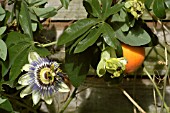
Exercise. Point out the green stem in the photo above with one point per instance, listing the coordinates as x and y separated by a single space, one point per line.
68 101
48 44
164 87
159 93
166 66
154 96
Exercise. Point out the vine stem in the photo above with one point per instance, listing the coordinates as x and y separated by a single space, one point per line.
69 100
157 90
131 99
166 66
48 44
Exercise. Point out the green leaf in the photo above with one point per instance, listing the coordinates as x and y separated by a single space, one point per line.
114 9
122 17
117 18
76 29
89 40
5 104
79 39
148 3
65 3
16 49
36 2
2 13
159 9
15 37
106 6
136 36
77 67
14 53
20 61
24 20
45 12
93 7
41 51
33 16
109 36
7 17
2 30
96 7
16 43
3 50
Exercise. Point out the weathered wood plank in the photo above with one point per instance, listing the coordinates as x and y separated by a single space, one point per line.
75 10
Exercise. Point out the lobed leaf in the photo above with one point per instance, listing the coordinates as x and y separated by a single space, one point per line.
114 9
105 7
93 7
24 20
36 2
16 43
45 12
89 40
41 51
19 62
109 36
15 37
78 40
76 29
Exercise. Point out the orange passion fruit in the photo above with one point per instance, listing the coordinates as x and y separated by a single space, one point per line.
135 56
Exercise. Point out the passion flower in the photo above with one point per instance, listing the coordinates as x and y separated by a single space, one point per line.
43 79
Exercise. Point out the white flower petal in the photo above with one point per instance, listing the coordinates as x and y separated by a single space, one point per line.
48 100
24 79
26 91
33 56
63 87
36 97
25 67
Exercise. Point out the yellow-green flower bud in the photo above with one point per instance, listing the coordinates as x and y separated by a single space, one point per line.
115 66
135 7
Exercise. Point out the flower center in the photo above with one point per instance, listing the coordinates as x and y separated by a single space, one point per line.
46 76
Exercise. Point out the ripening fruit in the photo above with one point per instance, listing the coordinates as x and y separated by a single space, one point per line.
134 55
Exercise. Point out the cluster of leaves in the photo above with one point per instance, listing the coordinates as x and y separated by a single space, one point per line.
107 25
19 27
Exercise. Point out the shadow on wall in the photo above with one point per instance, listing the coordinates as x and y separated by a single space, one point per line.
99 97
